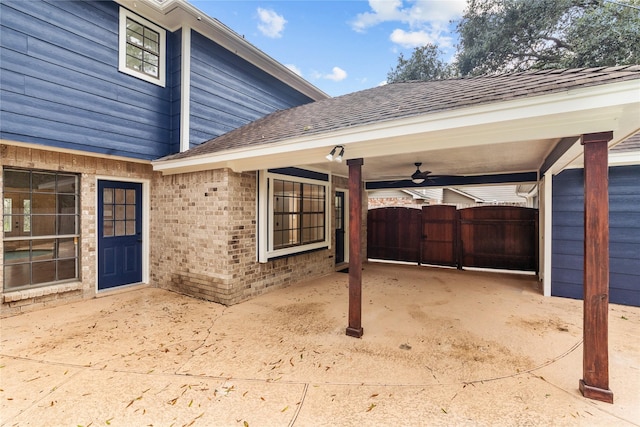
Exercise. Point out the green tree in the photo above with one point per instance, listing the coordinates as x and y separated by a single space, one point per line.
605 36
425 63
516 35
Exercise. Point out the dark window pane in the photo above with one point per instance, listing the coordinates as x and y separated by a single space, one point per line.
43 204
16 252
43 250
43 272
17 275
43 182
17 180
15 205
67 269
66 248
67 184
43 225
67 224
66 203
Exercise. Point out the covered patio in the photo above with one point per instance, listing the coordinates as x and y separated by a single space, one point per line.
517 128
442 347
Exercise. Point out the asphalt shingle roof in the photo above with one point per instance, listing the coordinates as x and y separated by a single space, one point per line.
406 99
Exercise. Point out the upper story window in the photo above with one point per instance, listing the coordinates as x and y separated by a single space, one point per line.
142 48
293 214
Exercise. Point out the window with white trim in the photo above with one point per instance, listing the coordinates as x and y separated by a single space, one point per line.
293 215
41 223
142 48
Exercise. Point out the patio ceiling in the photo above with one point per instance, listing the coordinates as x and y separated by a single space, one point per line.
472 127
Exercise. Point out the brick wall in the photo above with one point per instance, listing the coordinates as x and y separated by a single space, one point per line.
202 233
89 168
203 228
404 202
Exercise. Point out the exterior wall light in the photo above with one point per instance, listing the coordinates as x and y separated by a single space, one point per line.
337 158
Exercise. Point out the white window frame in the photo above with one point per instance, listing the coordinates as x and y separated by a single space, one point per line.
122 48
266 251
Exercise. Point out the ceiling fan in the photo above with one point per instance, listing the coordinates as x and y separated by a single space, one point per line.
418 177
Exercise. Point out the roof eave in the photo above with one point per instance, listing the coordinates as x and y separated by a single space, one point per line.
176 14
571 112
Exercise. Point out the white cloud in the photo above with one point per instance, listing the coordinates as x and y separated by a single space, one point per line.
426 20
410 39
419 12
337 74
294 68
271 24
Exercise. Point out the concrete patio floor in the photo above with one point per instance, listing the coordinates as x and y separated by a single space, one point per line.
440 347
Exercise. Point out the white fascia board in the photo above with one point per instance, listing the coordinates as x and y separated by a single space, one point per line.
174 14
185 89
575 112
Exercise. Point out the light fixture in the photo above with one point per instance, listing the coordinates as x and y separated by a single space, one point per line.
337 158
418 177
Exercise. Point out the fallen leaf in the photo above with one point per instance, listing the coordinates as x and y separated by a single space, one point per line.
133 400
374 395
285 408
373 405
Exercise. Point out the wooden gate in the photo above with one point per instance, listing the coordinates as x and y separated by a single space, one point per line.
394 234
503 237
499 237
439 235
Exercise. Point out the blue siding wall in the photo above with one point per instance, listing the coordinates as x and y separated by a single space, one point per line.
228 92
60 85
624 234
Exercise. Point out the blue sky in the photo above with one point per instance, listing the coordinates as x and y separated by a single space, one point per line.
340 46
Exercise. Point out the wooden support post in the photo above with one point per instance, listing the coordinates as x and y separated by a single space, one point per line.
355 248
595 369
